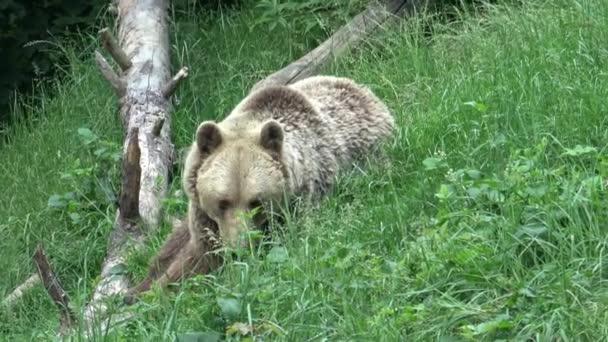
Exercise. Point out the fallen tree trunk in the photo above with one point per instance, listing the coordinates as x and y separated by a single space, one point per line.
144 87
344 39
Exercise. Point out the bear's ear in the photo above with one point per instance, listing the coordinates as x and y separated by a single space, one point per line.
208 137
271 137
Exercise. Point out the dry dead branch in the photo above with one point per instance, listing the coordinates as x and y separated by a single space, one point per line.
110 75
111 45
20 290
172 85
54 289
131 176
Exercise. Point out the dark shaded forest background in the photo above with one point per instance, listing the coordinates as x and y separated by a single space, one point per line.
30 29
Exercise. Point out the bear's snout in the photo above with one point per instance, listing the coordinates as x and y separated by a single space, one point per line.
233 230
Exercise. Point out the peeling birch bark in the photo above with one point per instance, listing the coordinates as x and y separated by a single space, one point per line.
142 52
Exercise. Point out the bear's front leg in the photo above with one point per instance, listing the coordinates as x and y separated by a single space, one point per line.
196 258
176 242
179 258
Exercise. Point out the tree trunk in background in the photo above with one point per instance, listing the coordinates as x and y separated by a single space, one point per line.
345 38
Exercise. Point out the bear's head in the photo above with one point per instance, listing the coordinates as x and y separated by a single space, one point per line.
237 170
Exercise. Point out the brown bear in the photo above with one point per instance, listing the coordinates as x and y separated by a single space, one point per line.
280 140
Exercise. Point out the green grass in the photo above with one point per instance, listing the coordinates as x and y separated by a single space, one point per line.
490 221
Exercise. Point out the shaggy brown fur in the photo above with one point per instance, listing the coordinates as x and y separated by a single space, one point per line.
280 140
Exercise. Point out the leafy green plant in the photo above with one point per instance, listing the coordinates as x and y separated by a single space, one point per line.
91 179
528 212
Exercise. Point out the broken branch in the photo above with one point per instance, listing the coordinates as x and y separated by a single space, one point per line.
158 126
111 45
174 82
131 175
20 290
54 289
109 74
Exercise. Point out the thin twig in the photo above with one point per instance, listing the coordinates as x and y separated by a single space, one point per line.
111 45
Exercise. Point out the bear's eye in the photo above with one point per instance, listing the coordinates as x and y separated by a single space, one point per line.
254 204
223 205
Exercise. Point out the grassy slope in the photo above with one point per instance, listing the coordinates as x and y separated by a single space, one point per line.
488 223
